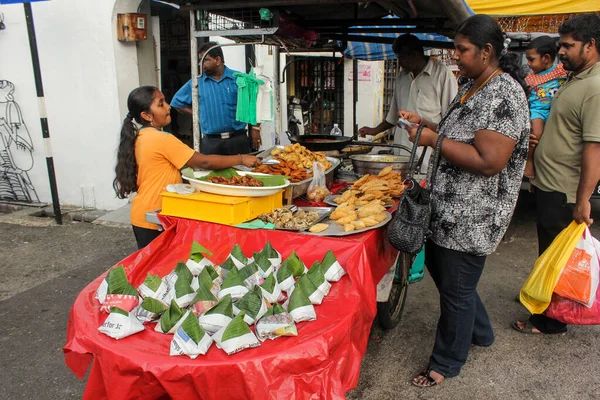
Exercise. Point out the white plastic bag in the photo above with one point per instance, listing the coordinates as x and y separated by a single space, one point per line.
317 190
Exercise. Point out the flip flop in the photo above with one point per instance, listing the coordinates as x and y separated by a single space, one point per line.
430 380
527 329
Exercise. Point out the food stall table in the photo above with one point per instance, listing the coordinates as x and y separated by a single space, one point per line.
323 361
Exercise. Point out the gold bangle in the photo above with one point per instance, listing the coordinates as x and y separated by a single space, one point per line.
256 127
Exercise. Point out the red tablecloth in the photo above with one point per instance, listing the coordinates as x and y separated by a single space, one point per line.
322 362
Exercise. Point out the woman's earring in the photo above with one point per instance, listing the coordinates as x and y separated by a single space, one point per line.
152 124
485 60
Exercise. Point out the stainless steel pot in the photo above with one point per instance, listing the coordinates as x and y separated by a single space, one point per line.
371 164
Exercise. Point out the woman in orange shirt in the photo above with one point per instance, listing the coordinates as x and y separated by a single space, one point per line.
149 159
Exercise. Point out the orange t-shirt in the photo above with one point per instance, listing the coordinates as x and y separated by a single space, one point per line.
159 158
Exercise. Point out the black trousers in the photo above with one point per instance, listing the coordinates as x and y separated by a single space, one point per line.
463 318
239 143
143 236
553 214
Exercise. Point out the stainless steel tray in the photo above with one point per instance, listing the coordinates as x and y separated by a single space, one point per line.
298 188
331 201
335 229
323 214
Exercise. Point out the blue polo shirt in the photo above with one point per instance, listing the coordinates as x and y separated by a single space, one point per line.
218 102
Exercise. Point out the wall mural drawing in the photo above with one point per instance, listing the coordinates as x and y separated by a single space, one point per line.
16 150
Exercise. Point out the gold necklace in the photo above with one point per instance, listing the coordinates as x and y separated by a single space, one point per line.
468 95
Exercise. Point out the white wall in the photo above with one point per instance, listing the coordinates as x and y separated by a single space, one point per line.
369 110
87 75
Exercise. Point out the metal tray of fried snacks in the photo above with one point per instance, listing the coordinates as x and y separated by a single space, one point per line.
335 229
322 213
299 188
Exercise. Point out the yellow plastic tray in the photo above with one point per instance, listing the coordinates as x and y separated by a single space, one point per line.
221 209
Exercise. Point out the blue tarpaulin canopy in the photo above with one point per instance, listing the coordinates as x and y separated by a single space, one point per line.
371 51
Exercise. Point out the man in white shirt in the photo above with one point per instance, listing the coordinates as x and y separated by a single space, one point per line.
423 85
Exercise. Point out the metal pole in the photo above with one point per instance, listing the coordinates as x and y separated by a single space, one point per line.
277 94
194 67
354 96
39 87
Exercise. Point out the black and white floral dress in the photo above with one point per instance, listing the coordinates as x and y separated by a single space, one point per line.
470 212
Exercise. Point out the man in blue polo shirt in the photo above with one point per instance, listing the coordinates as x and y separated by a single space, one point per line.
217 92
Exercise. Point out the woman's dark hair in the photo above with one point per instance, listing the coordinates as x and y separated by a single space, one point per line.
139 101
583 28
543 45
407 44
214 53
482 29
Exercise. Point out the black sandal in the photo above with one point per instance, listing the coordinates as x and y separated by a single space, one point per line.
430 380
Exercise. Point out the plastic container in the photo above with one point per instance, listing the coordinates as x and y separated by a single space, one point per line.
336 131
227 210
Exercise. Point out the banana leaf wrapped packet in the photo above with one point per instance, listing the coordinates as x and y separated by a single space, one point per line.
233 285
149 310
198 261
332 268
299 306
190 339
252 304
218 316
171 319
119 324
236 336
275 323
116 291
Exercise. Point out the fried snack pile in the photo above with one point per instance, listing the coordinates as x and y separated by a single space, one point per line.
283 218
236 181
301 157
285 168
353 219
383 187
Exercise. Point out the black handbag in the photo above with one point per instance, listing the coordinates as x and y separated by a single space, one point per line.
410 226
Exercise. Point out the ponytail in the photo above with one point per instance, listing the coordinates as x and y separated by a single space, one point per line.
510 63
125 182
139 101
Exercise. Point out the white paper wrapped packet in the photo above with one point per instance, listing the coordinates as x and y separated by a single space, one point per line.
183 293
119 324
250 275
156 288
171 319
116 291
198 261
271 290
317 277
149 310
252 304
233 285
314 294
331 267
238 257
285 277
299 306
275 323
236 336
265 267
204 299
190 339
272 255
218 316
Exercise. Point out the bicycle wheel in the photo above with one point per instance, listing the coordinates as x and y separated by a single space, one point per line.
389 313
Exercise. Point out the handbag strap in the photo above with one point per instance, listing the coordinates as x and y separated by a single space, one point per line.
436 159
413 154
